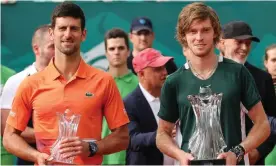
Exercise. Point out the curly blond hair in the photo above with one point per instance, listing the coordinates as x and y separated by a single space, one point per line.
194 11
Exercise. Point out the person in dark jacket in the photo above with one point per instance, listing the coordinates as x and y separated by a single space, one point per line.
235 44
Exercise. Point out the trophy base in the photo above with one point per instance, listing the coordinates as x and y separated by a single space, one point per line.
208 162
55 162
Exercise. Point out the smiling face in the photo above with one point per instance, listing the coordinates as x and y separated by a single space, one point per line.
237 50
200 37
67 35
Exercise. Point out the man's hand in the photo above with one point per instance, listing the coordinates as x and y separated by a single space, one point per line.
184 158
41 158
230 158
74 146
254 156
174 132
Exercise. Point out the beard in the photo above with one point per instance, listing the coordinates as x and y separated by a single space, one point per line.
68 51
202 53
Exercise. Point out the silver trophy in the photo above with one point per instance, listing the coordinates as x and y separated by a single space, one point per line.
68 126
207 140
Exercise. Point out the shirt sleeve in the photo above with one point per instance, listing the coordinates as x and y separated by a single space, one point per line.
114 110
249 92
8 93
168 103
21 107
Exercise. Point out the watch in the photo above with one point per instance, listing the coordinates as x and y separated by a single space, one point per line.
239 152
93 148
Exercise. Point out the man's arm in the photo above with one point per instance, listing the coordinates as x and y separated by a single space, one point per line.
269 105
27 134
260 130
16 145
116 141
166 144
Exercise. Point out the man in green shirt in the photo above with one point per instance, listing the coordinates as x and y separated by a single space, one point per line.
198 29
6 157
117 51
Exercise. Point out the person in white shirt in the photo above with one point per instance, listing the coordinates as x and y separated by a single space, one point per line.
142 106
43 48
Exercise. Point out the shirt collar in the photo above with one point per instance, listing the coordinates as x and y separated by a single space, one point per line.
54 73
220 59
147 95
127 77
31 69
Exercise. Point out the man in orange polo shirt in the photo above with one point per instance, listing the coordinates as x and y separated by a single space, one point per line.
67 83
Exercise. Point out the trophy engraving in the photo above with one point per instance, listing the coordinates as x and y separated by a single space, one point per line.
68 126
207 140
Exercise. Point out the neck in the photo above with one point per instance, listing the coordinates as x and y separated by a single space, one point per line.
274 79
204 64
155 92
39 66
67 65
118 71
135 52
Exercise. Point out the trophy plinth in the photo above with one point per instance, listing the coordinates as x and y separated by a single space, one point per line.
207 141
51 161
68 126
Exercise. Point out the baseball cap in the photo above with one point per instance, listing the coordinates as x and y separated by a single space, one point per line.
238 30
141 23
149 58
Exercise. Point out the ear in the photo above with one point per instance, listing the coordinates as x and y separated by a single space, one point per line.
36 50
184 51
141 74
51 32
153 35
130 36
84 32
265 63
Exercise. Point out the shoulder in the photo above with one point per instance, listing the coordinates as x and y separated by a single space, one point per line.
98 74
255 71
231 64
131 97
15 80
174 77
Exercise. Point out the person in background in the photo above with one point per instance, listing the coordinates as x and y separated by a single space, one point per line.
117 51
236 40
43 48
270 65
6 157
141 36
142 106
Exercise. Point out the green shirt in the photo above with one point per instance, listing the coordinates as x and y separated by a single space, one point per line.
230 78
6 158
125 84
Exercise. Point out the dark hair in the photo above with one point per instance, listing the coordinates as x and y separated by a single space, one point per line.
116 33
40 32
68 9
273 46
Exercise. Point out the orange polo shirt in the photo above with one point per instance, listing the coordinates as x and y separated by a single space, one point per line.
92 93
